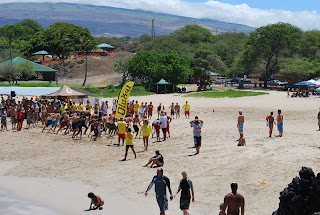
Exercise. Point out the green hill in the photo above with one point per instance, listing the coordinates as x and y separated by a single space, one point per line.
107 21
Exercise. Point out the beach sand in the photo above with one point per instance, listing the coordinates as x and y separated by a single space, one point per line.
58 172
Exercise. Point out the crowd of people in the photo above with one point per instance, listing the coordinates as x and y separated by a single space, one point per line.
97 120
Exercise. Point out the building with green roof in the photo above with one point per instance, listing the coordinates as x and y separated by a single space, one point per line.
42 72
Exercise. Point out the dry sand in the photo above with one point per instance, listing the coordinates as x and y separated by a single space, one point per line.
57 172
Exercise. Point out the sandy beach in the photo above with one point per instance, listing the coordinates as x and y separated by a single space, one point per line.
57 172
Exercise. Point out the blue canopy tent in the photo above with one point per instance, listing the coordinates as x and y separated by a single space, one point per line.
304 84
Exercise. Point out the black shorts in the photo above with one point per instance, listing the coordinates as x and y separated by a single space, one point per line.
112 126
184 203
197 141
164 130
130 146
136 128
172 112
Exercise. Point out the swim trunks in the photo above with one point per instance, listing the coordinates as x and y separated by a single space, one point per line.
240 127
184 203
162 202
280 126
54 123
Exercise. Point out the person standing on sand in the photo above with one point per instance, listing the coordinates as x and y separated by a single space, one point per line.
240 122
319 119
122 129
172 108
186 108
161 182
129 144
177 110
280 123
197 125
270 121
185 186
233 201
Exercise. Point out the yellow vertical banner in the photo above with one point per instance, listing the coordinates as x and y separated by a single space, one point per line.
123 98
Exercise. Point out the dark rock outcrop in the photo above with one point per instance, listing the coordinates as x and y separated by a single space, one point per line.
302 196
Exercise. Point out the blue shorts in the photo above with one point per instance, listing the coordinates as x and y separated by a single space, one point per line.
162 202
240 128
280 126
54 123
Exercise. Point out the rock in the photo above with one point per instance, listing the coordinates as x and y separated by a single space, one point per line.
302 196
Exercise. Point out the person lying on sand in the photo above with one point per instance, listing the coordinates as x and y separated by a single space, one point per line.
96 201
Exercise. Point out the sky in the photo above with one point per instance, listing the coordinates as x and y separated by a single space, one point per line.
256 13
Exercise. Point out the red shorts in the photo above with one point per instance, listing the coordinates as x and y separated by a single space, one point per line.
113 112
132 112
122 136
187 113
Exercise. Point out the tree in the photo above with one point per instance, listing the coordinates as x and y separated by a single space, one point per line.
13 72
9 32
267 44
310 44
121 67
194 34
205 62
152 66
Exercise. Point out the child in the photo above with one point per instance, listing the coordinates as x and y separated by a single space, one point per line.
221 209
242 141
157 128
96 201
129 144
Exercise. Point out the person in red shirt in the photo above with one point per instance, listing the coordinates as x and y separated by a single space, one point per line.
150 109
19 118
157 127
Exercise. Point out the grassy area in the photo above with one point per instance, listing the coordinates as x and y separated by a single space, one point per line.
227 93
108 91
112 91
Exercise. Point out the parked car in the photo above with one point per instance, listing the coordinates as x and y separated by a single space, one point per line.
235 81
240 80
277 83
221 80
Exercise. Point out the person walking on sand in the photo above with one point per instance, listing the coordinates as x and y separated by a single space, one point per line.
233 201
270 122
280 123
164 123
319 119
197 125
161 183
129 144
177 110
146 130
186 108
185 186
240 122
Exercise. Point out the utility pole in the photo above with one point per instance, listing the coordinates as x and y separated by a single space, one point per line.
153 33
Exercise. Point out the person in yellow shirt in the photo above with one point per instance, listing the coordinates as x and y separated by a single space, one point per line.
136 107
122 130
146 130
186 108
129 144
74 107
89 106
80 106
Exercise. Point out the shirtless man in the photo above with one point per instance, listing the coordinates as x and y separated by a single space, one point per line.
172 110
30 117
65 123
280 123
270 123
55 119
36 114
159 109
233 201
13 116
4 120
240 122
177 110
75 119
48 121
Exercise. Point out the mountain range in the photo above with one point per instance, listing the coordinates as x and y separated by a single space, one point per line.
108 21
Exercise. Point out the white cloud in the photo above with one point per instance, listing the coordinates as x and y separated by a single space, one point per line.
241 13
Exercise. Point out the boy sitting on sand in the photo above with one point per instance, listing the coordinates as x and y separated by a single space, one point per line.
242 140
96 201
